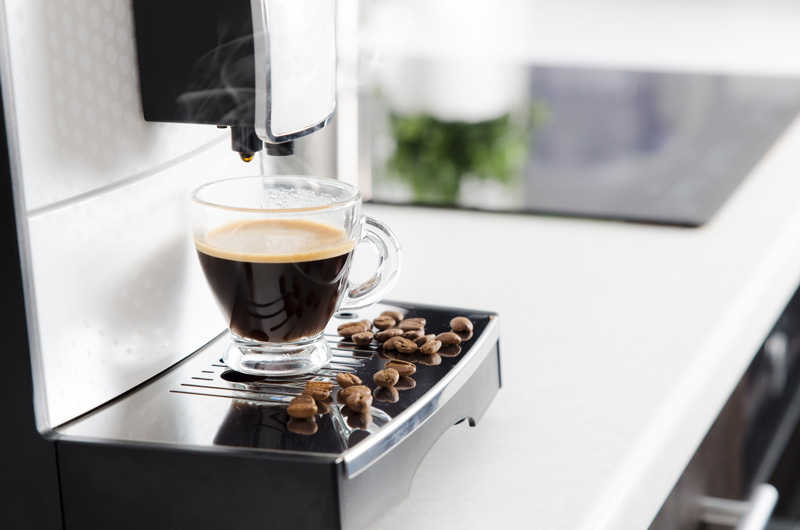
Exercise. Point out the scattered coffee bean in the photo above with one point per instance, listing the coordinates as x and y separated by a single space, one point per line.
362 339
448 338
344 393
403 368
404 345
350 328
423 339
306 426
387 395
384 322
408 325
432 346
367 323
327 385
449 350
389 344
383 336
461 324
302 410
414 334
359 402
405 383
302 399
396 315
346 380
319 394
420 320
386 378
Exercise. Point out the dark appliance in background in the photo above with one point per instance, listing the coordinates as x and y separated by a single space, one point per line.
251 65
749 462
641 146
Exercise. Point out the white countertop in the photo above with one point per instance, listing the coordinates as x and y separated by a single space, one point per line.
620 342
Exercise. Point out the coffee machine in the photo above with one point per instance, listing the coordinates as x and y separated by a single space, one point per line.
116 410
264 68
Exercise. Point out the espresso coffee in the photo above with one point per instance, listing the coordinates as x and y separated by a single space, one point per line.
276 280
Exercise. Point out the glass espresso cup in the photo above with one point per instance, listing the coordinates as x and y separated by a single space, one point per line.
276 252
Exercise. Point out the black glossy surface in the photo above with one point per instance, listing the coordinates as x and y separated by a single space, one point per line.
250 423
639 146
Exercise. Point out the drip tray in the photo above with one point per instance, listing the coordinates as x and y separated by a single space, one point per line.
340 470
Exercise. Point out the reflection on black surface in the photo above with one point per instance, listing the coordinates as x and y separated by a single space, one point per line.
643 146
405 383
264 426
387 395
267 425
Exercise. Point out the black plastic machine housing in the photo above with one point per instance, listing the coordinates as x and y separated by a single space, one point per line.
197 65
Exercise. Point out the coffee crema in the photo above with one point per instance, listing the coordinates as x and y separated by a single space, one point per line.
276 280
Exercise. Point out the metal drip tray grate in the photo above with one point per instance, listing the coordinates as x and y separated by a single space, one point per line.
220 381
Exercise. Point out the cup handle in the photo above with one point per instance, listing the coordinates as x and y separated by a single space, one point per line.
372 290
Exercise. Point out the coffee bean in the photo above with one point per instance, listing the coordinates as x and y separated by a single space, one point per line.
302 399
461 324
319 394
396 315
359 402
387 395
367 323
302 410
305 426
409 325
327 385
403 368
449 350
420 320
404 345
414 334
405 383
383 336
386 378
432 346
344 393
346 380
384 322
423 339
448 338
362 339
390 342
349 329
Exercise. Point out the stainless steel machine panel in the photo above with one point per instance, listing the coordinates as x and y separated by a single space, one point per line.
112 289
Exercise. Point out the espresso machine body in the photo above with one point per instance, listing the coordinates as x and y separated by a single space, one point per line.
117 411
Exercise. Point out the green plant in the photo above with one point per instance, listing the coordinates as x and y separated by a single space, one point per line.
432 155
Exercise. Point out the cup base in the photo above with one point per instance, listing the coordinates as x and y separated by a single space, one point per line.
277 360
